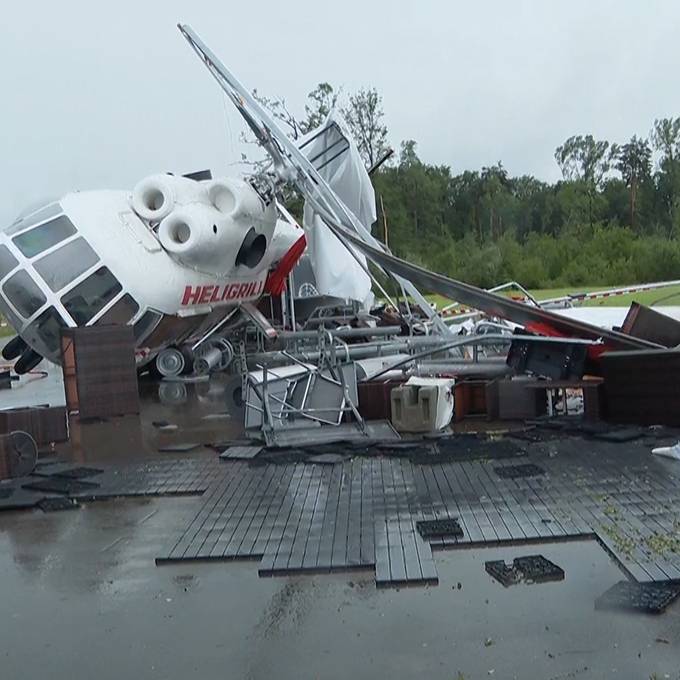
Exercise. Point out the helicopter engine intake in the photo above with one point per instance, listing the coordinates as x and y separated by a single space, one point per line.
212 226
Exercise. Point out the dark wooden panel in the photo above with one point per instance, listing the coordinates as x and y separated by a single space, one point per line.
103 359
45 424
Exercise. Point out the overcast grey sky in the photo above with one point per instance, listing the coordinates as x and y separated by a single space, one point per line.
97 95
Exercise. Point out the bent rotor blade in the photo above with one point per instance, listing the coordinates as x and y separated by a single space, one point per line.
293 166
490 303
239 96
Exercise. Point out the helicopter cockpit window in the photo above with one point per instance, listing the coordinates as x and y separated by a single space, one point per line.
44 236
145 324
120 313
10 315
22 292
33 217
67 263
47 329
90 296
7 262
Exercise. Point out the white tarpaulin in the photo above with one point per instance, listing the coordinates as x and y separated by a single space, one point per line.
335 154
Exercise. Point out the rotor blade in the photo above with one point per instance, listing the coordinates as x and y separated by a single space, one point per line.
294 166
491 304
240 97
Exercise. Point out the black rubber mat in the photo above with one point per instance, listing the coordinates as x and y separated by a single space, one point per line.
474 447
60 485
528 569
364 511
621 435
538 569
417 451
439 528
78 473
45 462
179 448
532 436
327 459
241 452
516 471
502 572
57 504
650 598
6 493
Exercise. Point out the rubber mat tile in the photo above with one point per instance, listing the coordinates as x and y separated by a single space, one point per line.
649 598
78 473
297 552
439 528
505 574
515 471
57 504
60 485
538 569
180 447
241 452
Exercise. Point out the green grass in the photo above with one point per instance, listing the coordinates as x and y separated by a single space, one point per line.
6 330
648 297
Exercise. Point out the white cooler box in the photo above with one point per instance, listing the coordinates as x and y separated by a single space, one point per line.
422 404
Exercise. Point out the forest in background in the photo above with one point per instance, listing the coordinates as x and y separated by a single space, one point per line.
612 219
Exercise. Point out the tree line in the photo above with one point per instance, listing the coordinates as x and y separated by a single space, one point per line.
612 219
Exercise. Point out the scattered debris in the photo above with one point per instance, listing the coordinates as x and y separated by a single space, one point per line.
164 425
662 544
668 451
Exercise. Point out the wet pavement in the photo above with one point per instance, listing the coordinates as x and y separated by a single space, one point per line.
82 597
171 414
365 510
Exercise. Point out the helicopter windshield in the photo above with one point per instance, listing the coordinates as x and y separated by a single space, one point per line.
91 295
120 312
65 264
32 217
44 236
23 293
7 262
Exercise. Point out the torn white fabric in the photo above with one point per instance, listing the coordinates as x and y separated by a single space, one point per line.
335 155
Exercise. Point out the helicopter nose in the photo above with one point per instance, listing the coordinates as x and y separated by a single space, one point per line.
252 249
